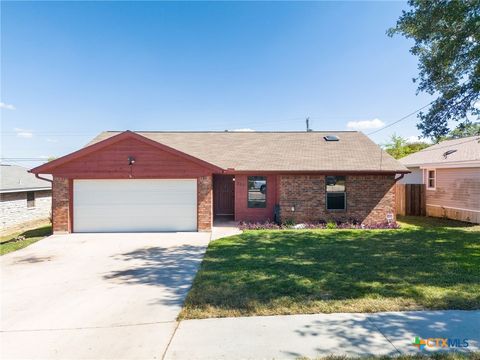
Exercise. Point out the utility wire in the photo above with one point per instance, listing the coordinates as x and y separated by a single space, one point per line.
401 119
23 159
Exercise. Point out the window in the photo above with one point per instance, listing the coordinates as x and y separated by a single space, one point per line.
30 199
257 192
331 138
336 195
431 179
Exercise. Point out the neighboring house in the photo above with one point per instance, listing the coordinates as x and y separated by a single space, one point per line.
182 181
450 171
23 197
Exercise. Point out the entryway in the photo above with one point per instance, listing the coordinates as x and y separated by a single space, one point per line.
224 197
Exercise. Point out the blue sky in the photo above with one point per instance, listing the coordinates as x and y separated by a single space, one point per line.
71 70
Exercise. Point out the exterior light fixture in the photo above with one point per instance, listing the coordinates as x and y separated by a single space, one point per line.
131 160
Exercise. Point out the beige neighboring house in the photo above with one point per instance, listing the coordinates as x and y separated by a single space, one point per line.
23 198
450 171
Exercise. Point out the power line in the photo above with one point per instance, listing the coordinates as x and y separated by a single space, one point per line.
23 159
401 119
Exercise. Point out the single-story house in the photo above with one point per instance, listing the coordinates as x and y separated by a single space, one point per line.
450 171
23 197
183 181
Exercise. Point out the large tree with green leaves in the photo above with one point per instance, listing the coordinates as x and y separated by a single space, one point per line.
464 130
447 43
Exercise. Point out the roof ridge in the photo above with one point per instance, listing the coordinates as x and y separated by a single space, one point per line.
233 131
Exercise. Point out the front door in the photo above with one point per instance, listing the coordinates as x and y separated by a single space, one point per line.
224 195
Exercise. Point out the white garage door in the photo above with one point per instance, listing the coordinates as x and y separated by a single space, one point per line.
134 205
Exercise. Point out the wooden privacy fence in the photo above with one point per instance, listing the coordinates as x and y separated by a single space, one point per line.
410 199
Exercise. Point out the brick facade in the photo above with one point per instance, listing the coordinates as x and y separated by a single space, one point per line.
204 203
369 198
60 205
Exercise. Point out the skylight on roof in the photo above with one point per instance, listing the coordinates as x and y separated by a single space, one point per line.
448 152
331 138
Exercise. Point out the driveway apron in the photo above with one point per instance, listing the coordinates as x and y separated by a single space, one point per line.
110 296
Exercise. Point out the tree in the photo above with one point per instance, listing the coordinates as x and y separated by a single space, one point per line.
463 130
447 43
399 147
396 146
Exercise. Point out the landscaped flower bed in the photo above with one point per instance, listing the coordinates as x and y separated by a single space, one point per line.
269 225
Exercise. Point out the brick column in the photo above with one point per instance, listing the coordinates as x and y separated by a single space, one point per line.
204 203
60 205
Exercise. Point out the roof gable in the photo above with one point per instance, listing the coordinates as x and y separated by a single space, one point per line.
102 144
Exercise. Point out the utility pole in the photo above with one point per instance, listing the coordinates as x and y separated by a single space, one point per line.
307 121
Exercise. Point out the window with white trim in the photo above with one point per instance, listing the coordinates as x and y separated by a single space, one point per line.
431 179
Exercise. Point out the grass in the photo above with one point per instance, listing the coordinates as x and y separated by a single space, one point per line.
439 355
10 243
427 264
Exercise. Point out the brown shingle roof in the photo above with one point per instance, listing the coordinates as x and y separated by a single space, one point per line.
467 150
278 151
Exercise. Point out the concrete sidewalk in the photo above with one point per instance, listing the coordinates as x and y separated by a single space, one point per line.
294 336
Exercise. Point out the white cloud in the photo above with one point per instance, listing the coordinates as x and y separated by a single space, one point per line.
26 134
365 124
51 140
243 130
412 139
6 106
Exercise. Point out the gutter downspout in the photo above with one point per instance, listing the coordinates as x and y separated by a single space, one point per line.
42 178
51 207
399 178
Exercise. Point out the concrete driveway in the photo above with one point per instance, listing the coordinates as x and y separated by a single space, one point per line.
109 296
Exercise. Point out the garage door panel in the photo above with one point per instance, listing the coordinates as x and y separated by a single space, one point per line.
135 205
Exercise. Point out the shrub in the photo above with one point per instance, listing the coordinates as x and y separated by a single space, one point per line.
331 225
289 222
351 224
268 225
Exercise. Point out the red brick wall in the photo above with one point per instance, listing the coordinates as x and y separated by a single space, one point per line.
369 198
204 204
60 204
242 211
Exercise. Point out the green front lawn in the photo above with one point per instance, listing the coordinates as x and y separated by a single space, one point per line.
427 264
20 240
439 355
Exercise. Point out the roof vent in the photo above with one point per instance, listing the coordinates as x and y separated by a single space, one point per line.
448 152
331 138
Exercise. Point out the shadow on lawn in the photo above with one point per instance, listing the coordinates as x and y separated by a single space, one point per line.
171 268
38 232
434 268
